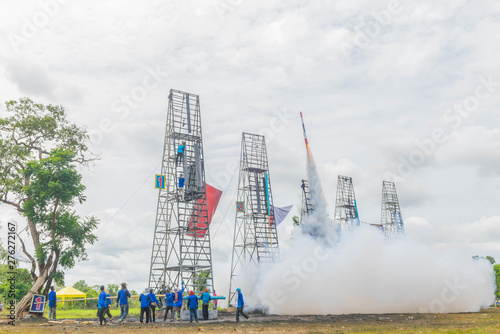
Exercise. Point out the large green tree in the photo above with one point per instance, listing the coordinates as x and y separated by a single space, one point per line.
39 151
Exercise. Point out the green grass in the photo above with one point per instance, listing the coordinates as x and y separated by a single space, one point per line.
69 313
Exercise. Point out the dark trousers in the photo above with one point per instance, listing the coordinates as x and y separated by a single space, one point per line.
204 309
153 313
178 157
108 313
147 311
193 312
238 311
171 309
100 314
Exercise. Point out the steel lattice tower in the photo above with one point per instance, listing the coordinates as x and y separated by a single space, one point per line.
255 240
181 244
392 221
307 206
346 211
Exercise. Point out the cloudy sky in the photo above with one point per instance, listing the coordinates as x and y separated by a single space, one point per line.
389 90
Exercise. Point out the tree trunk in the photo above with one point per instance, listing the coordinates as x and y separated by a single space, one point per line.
23 306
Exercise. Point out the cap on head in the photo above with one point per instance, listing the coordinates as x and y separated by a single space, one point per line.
191 292
239 290
102 287
150 290
124 285
146 290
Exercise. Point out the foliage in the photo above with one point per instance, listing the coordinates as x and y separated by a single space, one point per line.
489 258
39 149
113 289
54 187
23 282
296 221
91 291
201 279
497 280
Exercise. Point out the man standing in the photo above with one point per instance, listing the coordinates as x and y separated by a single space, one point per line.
123 296
154 303
241 305
102 306
182 190
52 303
193 306
205 298
178 301
169 300
180 153
145 306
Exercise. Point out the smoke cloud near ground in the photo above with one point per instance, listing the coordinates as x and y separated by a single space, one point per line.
364 272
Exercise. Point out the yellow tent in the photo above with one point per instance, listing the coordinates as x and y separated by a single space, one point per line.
70 292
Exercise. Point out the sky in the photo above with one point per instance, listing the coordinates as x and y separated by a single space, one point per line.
390 90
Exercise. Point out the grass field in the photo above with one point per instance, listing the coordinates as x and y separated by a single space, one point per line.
486 321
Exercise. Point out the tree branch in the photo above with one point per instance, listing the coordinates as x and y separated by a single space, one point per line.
33 262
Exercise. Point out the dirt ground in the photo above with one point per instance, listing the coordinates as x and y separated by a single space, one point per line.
487 321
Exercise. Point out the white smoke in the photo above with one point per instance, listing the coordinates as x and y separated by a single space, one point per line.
363 272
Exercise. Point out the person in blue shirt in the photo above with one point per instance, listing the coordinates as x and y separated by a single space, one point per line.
154 303
181 187
169 300
108 306
145 300
102 305
193 306
205 298
52 303
180 153
178 301
241 305
123 296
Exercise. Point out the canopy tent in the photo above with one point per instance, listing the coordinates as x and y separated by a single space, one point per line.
70 292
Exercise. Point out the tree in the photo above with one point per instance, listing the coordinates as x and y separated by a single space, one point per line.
113 289
38 177
497 280
489 258
90 291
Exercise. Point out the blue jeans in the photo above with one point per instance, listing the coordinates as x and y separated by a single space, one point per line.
123 311
193 312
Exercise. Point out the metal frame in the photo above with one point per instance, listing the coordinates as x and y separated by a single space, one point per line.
255 240
391 220
346 211
307 206
181 248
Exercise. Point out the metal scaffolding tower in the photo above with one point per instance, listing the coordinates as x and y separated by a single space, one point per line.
346 211
255 240
307 206
181 244
392 221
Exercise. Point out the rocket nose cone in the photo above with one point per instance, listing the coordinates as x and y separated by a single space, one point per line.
301 114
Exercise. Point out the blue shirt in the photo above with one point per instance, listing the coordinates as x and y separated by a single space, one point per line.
169 299
179 298
102 300
153 298
240 300
181 182
145 300
123 296
205 297
180 148
108 300
52 298
193 301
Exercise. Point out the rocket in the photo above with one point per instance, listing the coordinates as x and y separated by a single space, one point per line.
309 155
304 128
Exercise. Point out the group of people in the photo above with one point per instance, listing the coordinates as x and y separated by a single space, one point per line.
104 303
149 302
